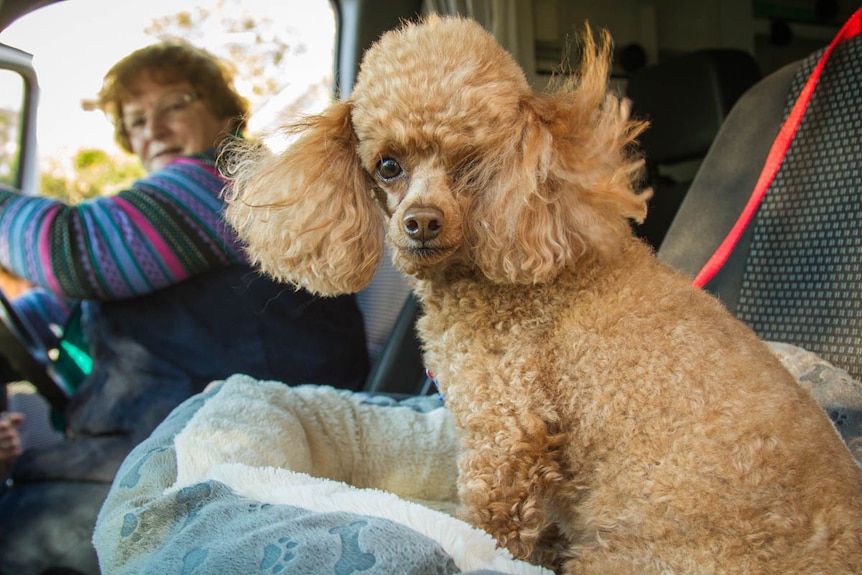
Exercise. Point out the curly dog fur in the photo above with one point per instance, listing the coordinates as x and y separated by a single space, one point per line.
614 419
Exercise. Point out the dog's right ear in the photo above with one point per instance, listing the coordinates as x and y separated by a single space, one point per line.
307 215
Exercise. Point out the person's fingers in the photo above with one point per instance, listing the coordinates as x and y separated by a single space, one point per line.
9 449
12 447
15 418
10 441
9 421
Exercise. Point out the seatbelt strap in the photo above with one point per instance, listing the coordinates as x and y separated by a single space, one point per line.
851 28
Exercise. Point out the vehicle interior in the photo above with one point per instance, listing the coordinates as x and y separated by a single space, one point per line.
683 84
715 79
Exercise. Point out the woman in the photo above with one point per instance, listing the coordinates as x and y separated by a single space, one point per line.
168 300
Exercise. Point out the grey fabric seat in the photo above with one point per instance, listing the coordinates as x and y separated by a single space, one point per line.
685 100
795 276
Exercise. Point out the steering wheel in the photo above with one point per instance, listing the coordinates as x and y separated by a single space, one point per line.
26 353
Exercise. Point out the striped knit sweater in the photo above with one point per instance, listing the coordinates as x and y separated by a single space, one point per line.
167 227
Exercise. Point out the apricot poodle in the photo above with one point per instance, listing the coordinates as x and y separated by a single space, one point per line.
614 419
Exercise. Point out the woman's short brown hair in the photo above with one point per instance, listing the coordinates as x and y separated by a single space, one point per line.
169 62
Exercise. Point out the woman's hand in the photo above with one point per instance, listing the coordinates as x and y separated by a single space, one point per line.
10 441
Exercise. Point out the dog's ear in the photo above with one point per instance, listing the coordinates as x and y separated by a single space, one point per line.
567 188
307 215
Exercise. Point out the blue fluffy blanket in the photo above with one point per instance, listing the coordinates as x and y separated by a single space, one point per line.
256 477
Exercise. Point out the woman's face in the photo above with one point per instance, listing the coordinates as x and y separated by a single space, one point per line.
165 121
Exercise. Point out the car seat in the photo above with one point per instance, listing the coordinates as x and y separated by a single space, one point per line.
789 263
390 312
685 99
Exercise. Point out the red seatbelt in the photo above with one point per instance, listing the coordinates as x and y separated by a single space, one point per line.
851 28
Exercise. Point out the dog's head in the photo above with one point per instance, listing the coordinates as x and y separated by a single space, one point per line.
445 149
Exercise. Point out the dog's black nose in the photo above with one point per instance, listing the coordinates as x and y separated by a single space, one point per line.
423 223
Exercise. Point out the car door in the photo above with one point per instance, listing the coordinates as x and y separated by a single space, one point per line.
19 92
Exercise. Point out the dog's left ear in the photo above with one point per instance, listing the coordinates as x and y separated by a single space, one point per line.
307 215
567 188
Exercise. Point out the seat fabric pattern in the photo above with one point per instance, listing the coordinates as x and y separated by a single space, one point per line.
803 278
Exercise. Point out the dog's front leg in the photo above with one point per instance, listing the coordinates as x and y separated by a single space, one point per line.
508 474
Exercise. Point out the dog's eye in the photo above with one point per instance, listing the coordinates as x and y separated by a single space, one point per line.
388 169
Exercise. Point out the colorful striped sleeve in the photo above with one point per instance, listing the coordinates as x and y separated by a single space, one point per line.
165 228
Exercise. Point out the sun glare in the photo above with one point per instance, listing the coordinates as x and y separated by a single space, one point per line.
70 60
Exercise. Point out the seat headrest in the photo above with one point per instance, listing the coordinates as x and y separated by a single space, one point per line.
686 100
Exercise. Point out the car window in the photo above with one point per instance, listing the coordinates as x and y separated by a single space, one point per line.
11 126
282 52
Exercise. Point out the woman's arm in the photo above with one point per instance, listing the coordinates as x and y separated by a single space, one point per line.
164 229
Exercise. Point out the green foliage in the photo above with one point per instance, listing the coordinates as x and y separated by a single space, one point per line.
90 173
9 152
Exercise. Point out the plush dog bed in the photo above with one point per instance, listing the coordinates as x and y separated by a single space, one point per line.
834 389
257 477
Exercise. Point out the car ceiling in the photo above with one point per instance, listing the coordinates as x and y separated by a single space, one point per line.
10 10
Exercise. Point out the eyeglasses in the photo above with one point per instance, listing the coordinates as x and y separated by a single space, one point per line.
169 107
